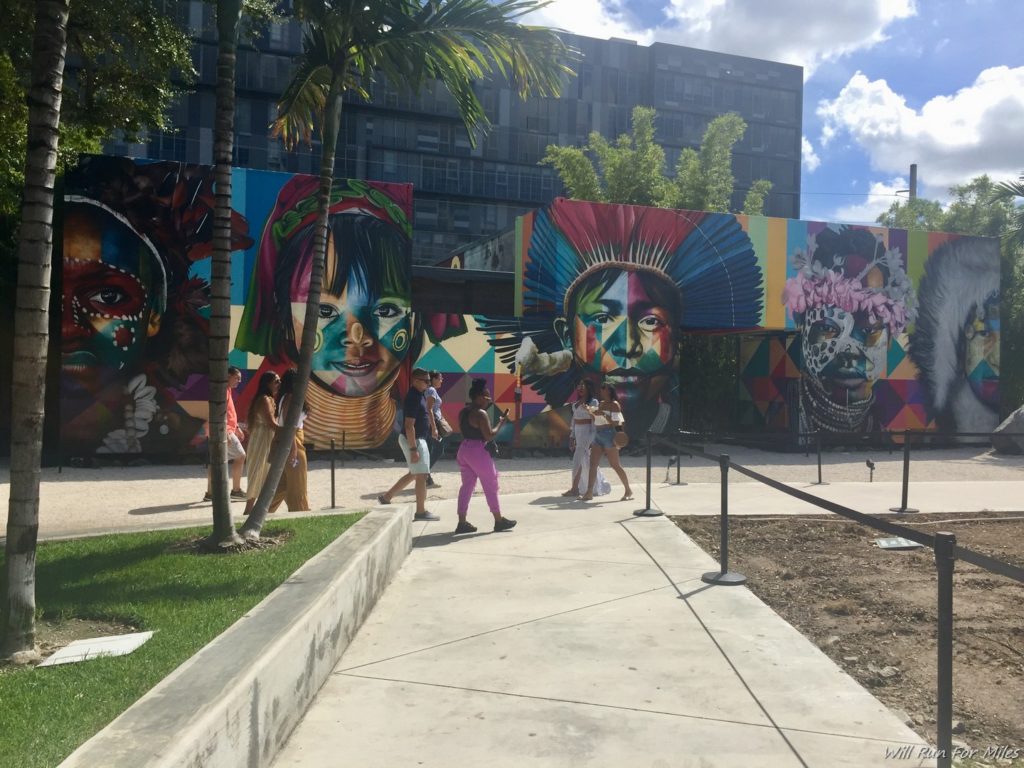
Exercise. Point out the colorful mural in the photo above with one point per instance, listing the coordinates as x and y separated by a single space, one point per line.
366 330
606 291
894 330
861 328
134 310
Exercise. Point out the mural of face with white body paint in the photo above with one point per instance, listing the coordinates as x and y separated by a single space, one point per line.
843 348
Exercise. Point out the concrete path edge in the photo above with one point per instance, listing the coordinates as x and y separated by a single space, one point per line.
237 700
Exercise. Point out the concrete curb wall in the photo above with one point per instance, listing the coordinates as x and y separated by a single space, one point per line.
236 701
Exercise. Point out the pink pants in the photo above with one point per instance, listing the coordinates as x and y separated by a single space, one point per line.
475 462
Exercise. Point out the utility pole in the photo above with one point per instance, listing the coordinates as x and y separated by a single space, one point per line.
913 181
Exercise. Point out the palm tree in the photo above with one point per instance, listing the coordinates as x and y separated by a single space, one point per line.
1009 191
31 327
229 13
347 44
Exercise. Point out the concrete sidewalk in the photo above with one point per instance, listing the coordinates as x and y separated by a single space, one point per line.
584 638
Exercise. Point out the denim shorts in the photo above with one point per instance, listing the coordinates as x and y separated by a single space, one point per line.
605 437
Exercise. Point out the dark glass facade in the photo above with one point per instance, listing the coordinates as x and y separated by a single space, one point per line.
464 192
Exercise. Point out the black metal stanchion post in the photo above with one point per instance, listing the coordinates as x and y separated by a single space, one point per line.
679 468
945 560
903 508
648 510
332 473
724 576
817 445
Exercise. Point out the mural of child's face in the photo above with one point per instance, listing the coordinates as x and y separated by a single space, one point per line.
363 334
621 333
843 348
981 352
108 302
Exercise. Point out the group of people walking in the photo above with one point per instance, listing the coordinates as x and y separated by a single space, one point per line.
422 427
597 432
266 419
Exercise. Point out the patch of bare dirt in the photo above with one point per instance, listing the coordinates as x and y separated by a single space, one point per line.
54 634
201 545
873 611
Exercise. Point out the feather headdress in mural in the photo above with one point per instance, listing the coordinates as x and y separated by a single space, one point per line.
708 258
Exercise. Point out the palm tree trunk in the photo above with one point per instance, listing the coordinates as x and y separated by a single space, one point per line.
31 327
282 446
228 14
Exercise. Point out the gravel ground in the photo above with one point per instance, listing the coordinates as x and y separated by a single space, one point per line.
78 498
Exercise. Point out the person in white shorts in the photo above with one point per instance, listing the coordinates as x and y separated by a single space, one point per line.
413 442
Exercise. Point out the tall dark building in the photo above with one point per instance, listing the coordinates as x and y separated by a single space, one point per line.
464 193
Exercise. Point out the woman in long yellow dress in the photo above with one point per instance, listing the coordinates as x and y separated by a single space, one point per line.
262 430
292 487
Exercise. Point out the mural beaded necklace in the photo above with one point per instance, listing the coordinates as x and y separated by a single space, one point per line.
366 421
825 413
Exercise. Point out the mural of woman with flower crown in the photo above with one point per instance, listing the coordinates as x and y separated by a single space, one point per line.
850 297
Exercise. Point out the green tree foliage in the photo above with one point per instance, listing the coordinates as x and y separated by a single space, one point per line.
631 170
124 57
918 213
986 209
704 180
753 203
1006 193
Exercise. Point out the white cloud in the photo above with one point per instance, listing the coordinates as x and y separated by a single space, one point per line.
879 198
951 138
790 31
809 157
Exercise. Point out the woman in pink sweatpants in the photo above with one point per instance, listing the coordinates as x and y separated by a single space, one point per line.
474 460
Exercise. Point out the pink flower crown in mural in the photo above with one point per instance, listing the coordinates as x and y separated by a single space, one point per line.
842 285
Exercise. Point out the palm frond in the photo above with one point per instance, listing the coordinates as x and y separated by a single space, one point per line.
301 107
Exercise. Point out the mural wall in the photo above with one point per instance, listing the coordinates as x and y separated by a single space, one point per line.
861 328
893 330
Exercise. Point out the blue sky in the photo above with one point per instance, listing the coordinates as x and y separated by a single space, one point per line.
887 83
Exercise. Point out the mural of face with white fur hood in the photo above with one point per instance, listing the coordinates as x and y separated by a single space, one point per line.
956 342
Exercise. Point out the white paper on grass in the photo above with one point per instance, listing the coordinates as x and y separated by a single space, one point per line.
94 647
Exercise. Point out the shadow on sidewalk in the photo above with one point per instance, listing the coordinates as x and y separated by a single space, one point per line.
168 508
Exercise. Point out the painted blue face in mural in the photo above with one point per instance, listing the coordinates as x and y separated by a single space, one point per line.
363 331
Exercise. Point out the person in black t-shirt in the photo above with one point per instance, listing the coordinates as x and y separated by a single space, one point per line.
413 442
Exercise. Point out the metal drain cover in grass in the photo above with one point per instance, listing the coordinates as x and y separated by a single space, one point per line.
94 647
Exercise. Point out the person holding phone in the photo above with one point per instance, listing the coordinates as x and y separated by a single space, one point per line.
475 462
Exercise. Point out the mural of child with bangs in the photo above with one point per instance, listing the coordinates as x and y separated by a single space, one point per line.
607 290
366 331
134 317
849 298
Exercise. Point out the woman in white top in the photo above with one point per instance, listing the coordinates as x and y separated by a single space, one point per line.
607 416
439 427
581 437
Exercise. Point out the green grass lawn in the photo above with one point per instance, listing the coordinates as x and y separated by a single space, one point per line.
144 581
